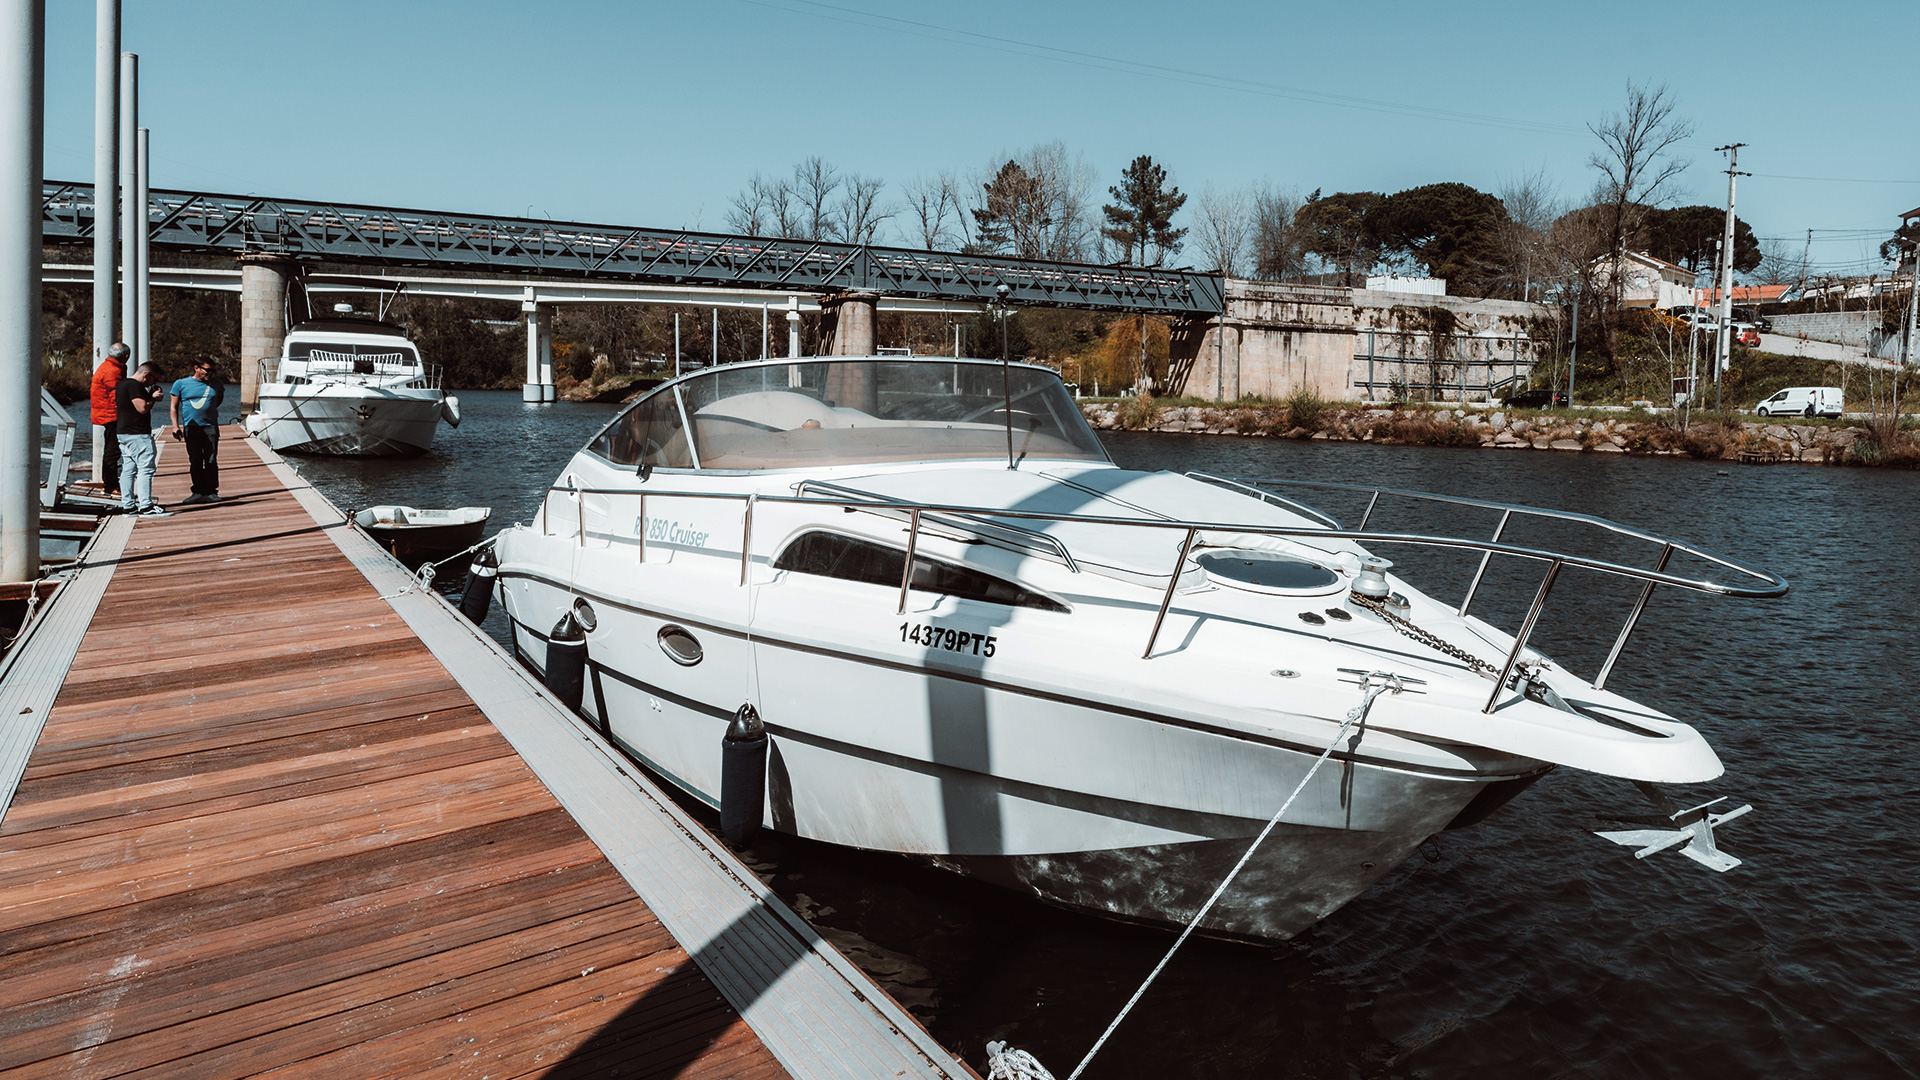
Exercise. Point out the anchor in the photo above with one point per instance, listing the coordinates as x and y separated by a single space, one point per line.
1695 830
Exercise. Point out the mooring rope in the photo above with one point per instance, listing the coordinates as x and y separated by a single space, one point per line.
423 577
1356 715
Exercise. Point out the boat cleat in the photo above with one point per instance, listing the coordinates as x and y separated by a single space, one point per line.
1696 832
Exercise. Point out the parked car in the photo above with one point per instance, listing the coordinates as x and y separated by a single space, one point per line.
1537 399
1751 315
1804 401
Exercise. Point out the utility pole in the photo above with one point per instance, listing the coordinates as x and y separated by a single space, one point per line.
1913 304
1724 352
1573 355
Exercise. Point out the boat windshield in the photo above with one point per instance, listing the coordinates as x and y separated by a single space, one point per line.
856 411
364 358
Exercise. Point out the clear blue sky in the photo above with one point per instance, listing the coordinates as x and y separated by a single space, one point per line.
656 114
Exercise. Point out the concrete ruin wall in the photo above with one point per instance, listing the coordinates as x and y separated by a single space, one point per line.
1841 327
1279 338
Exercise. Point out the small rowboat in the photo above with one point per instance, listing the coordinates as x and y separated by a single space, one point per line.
416 536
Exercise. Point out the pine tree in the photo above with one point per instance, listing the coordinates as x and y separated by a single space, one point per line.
1140 219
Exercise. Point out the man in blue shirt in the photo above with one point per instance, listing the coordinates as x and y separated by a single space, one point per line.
194 406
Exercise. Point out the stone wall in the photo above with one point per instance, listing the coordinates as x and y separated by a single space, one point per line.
1497 429
1279 338
1840 327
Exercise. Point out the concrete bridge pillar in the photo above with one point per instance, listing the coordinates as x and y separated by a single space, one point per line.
539 385
264 283
853 321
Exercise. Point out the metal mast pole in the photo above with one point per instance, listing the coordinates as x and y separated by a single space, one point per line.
131 212
1723 353
142 296
676 344
23 26
106 165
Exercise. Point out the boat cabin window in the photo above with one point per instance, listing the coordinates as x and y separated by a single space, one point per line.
362 358
810 413
851 558
650 433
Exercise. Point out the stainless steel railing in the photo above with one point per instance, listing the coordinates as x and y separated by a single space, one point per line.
1770 584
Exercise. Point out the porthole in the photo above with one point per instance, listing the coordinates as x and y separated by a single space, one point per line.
680 646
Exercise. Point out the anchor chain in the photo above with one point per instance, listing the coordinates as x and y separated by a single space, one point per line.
1425 637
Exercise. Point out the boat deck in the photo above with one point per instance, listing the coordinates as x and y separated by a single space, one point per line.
265 819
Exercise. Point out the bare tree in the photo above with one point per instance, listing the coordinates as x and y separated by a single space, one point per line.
858 213
1528 259
1224 232
1638 169
1278 246
751 213
814 185
934 218
1781 263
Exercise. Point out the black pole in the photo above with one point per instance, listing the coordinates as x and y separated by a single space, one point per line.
1006 383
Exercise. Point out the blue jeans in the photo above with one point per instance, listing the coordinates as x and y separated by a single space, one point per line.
137 461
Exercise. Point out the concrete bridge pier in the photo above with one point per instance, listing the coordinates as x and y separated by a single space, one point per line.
852 386
853 316
539 386
265 281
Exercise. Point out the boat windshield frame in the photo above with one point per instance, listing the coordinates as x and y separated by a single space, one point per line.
793 413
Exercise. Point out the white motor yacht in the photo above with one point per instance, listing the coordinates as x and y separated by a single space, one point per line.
970 638
353 387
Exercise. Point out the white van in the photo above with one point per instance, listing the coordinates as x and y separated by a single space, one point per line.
1803 401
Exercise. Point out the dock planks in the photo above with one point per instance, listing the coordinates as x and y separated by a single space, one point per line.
265 829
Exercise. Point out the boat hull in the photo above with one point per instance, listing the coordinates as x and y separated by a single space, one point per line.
983 779
351 421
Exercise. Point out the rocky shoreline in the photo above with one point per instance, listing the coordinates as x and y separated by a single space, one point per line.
1503 429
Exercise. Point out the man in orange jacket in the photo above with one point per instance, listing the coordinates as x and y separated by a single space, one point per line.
106 429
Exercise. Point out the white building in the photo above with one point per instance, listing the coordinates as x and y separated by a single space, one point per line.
1422 286
1648 282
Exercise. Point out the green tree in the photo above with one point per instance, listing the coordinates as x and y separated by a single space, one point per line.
1690 235
1451 229
1140 219
1903 238
1010 214
1336 229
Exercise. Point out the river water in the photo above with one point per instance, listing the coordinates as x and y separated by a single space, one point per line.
1524 946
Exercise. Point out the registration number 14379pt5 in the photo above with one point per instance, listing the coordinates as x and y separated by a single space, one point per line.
946 637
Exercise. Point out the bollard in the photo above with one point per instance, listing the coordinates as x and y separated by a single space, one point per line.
478 595
567 661
743 777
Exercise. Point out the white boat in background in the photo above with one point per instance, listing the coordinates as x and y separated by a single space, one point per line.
970 638
353 387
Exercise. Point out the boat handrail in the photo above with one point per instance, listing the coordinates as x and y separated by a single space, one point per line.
1247 487
1555 560
1507 513
1031 538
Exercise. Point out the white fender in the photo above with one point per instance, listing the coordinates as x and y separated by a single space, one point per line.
450 410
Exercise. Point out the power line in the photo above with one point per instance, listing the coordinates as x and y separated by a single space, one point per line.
1102 62
1834 179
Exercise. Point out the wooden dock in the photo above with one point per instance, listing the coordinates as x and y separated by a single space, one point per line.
268 816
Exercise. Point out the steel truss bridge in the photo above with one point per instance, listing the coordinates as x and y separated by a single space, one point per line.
337 232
